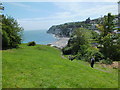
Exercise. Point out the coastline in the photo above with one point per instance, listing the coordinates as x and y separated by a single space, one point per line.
60 43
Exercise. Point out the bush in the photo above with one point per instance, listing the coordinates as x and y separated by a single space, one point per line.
107 61
31 43
67 50
71 58
92 51
11 33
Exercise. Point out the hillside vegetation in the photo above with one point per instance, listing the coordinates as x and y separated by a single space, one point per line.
11 32
103 46
66 29
42 66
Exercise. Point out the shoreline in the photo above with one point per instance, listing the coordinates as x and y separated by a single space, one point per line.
60 43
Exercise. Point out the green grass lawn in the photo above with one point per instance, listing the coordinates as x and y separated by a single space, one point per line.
0 69
43 67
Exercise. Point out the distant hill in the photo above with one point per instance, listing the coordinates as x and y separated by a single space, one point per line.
66 29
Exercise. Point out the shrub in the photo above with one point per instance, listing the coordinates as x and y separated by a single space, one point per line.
11 32
92 51
71 58
31 43
67 50
107 61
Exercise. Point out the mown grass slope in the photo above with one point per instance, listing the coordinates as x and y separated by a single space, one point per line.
0 69
43 67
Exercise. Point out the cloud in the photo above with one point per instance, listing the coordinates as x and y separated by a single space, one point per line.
25 6
68 6
19 5
103 10
70 12
81 10
45 22
55 16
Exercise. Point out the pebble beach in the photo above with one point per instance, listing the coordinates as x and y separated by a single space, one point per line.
62 42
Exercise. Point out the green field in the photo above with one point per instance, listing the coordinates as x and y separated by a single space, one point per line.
0 69
43 67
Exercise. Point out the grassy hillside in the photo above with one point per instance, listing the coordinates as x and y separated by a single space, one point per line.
0 69
43 67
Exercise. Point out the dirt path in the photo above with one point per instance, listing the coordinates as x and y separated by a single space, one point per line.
101 70
63 56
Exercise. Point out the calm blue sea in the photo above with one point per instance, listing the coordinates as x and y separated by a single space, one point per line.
39 36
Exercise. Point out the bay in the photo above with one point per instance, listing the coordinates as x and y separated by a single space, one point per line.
39 36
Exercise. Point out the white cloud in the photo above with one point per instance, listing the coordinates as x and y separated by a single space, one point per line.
25 6
20 4
55 16
44 23
97 11
71 12
68 6
77 10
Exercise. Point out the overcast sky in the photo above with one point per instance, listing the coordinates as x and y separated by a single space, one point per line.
42 15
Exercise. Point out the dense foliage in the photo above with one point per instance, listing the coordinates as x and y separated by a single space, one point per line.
105 45
109 40
82 46
31 43
11 32
79 38
65 30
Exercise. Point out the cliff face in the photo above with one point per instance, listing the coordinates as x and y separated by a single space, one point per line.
65 30
60 31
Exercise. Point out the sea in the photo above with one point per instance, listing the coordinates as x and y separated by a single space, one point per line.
39 36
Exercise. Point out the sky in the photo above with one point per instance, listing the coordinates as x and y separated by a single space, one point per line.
42 15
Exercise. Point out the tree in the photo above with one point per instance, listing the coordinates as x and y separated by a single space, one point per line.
79 37
108 39
11 32
107 25
1 8
81 45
